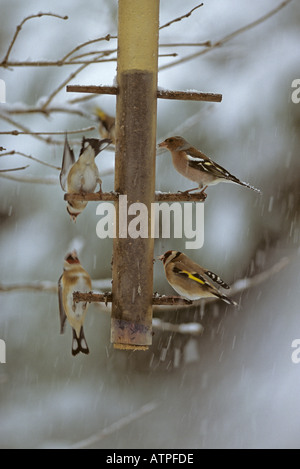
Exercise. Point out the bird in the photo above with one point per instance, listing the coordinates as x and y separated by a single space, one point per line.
196 166
191 280
107 128
74 278
81 176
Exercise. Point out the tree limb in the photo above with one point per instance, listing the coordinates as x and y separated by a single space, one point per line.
181 17
19 27
226 38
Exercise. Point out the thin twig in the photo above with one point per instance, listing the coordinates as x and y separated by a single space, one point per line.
29 132
53 63
187 44
62 85
19 27
108 37
26 129
13 169
114 427
250 282
226 38
48 286
181 17
48 111
81 99
191 328
13 152
49 180
94 52
22 127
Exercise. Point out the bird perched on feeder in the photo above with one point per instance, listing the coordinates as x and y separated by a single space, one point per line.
190 279
107 127
196 166
81 176
74 278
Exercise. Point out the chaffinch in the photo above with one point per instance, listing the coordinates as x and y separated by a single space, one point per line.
196 166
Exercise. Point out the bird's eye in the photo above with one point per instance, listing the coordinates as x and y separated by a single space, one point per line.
170 140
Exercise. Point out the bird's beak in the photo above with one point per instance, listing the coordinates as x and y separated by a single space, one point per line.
160 258
162 144
104 143
99 145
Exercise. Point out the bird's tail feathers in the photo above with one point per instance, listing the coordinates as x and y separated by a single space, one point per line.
79 344
227 300
246 184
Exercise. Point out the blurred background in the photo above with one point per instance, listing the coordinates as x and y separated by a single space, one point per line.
233 386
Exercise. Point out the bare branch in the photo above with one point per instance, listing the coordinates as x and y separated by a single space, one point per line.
187 44
26 129
53 63
94 52
29 132
13 169
49 180
62 85
114 427
81 99
227 37
181 17
48 286
108 37
250 282
48 111
13 152
191 328
19 27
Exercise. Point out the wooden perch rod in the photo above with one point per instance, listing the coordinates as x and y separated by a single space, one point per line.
107 298
162 94
159 197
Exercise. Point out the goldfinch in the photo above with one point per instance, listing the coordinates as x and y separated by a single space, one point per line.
74 278
196 166
82 176
189 279
107 127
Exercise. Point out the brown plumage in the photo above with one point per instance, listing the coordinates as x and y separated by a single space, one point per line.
74 278
191 280
81 176
196 166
